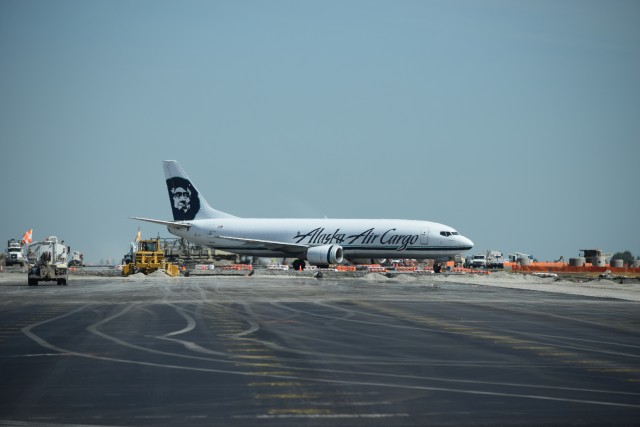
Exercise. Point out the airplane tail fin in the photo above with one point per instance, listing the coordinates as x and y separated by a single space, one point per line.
186 201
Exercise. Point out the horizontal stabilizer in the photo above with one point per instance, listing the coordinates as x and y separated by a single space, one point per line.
173 224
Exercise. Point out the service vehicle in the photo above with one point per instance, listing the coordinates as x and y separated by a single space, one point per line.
76 259
147 258
47 261
14 253
479 261
495 259
519 256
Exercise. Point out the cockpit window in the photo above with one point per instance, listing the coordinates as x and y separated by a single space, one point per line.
448 233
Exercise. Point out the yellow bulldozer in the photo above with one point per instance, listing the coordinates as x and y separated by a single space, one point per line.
148 258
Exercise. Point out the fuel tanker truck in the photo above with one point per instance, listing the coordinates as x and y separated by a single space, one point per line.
47 261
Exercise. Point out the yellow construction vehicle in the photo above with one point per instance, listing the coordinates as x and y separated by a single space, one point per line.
148 258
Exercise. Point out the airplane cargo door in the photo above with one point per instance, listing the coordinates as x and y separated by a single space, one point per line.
424 238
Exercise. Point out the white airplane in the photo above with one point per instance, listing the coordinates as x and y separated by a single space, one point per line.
319 241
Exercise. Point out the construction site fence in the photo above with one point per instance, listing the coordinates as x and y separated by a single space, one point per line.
226 267
468 270
373 268
238 267
573 269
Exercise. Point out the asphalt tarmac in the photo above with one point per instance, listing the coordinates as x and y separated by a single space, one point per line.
270 351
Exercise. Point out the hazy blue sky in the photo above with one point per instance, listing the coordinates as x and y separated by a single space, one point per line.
516 122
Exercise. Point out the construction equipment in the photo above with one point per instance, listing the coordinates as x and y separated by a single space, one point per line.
148 258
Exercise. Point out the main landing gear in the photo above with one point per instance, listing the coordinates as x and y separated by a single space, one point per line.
299 265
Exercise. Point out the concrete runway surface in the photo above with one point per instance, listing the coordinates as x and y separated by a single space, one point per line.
270 351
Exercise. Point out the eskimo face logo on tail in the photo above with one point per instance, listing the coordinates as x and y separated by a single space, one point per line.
185 202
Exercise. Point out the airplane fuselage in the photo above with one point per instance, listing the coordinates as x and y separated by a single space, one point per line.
368 238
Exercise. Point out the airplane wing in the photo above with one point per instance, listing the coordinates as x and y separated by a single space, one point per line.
293 248
167 223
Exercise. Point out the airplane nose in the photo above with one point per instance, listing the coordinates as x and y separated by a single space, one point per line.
466 242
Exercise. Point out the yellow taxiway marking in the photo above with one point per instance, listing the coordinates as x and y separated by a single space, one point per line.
276 384
271 373
308 411
623 370
285 396
540 351
258 365
251 356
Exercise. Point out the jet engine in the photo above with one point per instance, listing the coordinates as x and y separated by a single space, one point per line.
324 255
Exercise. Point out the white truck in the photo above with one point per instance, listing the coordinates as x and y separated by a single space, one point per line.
76 259
518 256
47 261
495 259
479 261
14 253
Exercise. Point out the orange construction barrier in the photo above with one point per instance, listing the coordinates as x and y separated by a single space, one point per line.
238 267
564 268
375 268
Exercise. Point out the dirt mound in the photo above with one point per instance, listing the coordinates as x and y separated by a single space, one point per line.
374 277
